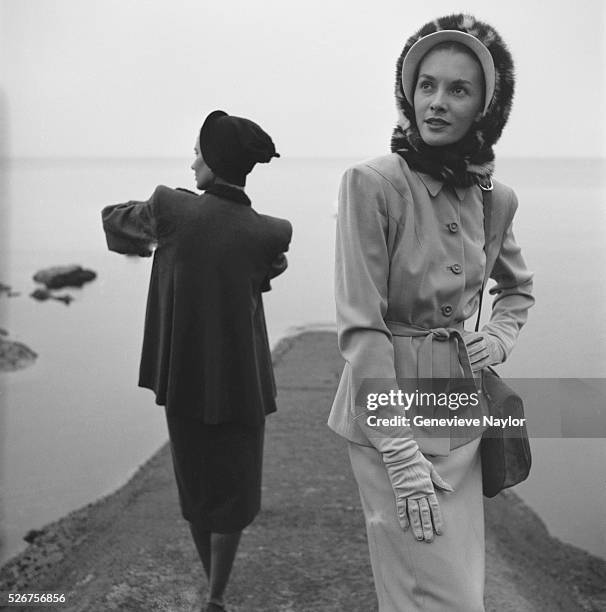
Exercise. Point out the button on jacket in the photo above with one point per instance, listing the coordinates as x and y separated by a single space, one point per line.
410 250
205 350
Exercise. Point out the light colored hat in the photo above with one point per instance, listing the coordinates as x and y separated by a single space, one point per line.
420 49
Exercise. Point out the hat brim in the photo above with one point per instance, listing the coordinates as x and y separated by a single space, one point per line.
418 51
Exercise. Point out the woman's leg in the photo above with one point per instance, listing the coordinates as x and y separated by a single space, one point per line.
217 551
223 548
202 541
412 576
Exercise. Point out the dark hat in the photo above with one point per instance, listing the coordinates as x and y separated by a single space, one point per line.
231 146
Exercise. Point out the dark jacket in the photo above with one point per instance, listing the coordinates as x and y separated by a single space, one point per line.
205 348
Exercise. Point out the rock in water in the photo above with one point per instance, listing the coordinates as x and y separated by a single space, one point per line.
32 534
15 356
8 290
44 294
66 298
40 294
64 276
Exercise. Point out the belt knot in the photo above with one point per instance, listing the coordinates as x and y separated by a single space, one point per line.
440 333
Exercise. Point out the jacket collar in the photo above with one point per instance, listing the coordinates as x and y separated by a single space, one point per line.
434 186
227 192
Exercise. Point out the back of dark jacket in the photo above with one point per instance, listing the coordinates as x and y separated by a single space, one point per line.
205 348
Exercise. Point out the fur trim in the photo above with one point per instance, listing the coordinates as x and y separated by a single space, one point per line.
471 159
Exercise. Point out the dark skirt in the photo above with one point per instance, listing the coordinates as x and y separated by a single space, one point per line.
218 471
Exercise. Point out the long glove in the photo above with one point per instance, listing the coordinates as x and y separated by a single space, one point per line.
413 481
412 478
483 350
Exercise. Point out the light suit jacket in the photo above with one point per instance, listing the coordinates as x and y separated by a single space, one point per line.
410 250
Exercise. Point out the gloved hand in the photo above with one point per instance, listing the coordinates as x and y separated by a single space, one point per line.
413 478
411 475
483 349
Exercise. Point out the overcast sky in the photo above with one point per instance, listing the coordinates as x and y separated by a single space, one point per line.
135 78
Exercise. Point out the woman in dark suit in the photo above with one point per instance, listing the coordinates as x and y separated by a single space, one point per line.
205 349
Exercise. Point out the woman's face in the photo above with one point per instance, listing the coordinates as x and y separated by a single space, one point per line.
204 175
448 96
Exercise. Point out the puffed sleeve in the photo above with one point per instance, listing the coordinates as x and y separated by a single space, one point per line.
131 228
361 283
512 291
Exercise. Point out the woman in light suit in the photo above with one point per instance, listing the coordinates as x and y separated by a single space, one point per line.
411 261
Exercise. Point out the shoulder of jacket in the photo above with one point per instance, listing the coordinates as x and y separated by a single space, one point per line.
168 202
386 166
281 226
278 233
391 170
504 199
188 191
504 194
162 191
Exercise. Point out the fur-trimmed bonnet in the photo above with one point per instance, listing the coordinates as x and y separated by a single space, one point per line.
471 159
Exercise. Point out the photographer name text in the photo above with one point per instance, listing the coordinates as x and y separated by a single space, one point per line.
373 420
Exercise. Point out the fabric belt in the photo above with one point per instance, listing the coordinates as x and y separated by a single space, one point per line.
425 353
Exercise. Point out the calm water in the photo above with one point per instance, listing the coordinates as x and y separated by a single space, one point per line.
75 426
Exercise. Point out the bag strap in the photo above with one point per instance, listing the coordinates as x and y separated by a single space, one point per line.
487 206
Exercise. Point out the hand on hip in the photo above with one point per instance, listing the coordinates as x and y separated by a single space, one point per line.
483 349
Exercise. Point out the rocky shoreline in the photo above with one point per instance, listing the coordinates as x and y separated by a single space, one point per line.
131 550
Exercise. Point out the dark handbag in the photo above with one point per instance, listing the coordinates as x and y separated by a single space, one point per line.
506 457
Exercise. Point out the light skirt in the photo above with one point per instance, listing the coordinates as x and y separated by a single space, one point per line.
444 575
